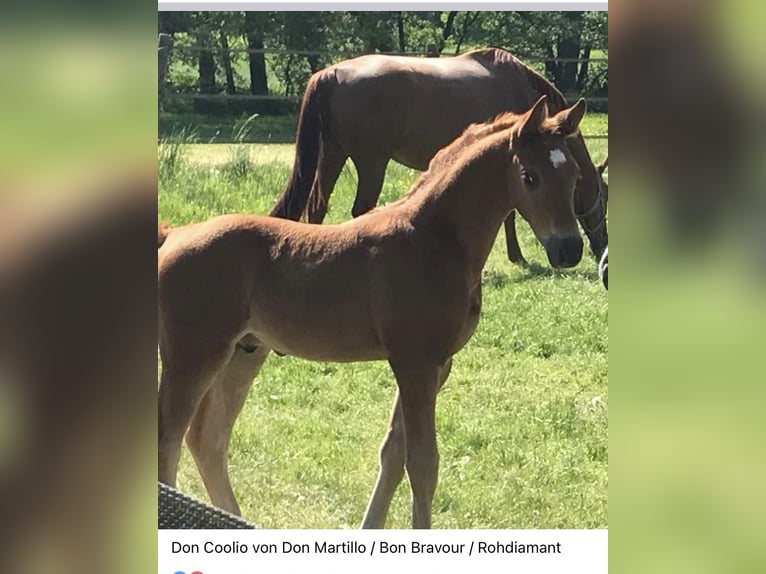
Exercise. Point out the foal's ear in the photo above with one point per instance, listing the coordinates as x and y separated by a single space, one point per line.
530 124
568 120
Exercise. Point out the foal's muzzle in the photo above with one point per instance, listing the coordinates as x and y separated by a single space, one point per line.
563 251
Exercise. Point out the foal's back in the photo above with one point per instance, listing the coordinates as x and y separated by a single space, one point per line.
301 289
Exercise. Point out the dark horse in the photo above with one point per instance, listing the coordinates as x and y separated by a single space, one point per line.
415 107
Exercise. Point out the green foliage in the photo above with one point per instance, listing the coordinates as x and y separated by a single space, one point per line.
522 422
527 34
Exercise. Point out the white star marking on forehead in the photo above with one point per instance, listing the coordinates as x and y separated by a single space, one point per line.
558 158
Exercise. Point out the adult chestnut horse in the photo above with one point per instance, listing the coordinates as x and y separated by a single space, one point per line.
401 283
377 108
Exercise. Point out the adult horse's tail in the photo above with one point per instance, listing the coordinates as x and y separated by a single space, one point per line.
292 203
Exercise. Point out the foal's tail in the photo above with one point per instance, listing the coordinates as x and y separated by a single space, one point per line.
311 121
163 230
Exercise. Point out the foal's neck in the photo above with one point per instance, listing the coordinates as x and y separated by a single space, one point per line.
468 203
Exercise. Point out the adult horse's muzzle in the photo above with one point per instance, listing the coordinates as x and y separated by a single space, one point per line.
563 251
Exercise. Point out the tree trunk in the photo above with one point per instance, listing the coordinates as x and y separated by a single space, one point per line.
206 63
569 47
582 76
165 42
286 79
468 20
231 88
551 65
258 83
165 23
313 61
568 70
400 29
449 27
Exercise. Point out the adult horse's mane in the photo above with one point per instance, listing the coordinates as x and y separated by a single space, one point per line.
556 100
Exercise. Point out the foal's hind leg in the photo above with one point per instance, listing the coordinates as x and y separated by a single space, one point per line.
210 432
511 240
392 457
187 375
371 172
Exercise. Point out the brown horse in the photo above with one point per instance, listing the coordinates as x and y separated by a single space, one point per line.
402 283
415 107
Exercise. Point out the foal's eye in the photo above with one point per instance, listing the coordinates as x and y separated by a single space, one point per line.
529 178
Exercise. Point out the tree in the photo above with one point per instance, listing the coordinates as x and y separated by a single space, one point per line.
254 29
571 35
204 42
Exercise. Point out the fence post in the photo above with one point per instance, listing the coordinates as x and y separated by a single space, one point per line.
165 45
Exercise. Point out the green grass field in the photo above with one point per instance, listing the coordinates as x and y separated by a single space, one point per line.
521 422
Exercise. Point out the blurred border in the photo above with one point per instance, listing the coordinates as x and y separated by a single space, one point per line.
78 289
687 297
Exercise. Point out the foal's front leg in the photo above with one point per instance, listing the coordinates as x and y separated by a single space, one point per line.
418 385
392 457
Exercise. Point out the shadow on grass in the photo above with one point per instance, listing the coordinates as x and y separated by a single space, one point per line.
535 270
493 279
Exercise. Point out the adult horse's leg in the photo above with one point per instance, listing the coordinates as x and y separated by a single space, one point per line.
511 240
392 457
210 431
187 375
418 385
371 173
331 161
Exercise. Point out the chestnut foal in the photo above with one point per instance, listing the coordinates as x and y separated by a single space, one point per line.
401 283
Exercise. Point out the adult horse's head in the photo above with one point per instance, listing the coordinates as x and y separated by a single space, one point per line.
548 175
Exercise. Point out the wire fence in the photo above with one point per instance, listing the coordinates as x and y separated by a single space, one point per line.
354 53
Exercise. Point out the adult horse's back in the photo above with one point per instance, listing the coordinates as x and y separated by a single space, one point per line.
376 108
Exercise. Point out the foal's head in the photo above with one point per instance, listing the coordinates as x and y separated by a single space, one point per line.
545 174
